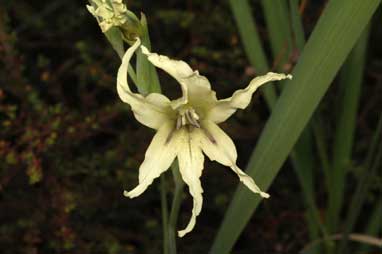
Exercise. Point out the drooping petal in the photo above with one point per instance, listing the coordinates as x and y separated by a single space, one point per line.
151 110
196 88
218 146
158 158
191 162
241 98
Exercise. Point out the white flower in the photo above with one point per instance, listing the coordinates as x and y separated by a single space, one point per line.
186 127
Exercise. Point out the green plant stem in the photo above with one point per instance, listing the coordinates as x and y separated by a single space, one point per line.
165 224
147 77
176 202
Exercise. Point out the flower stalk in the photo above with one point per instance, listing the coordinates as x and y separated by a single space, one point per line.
175 207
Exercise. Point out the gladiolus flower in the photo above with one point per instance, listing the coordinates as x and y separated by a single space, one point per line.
187 128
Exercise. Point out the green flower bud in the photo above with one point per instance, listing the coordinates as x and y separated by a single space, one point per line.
113 13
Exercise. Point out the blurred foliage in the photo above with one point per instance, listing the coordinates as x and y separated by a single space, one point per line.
69 147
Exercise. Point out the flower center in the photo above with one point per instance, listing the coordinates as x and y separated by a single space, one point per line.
187 116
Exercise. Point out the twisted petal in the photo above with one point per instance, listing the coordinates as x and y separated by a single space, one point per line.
241 98
158 158
151 110
191 162
218 146
194 86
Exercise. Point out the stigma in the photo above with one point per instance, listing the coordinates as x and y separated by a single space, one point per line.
187 116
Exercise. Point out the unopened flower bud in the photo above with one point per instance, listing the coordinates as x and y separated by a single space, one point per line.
113 13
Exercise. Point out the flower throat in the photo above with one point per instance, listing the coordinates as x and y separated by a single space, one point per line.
187 116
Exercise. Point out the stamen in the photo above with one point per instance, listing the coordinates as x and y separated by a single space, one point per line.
178 123
194 115
191 119
187 117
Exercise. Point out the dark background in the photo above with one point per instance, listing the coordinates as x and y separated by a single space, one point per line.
68 146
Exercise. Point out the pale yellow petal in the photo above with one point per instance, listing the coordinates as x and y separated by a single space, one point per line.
200 95
91 10
151 110
241 98
218 146
158 158
191 162
196 89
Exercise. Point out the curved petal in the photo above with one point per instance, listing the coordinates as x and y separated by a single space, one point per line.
151 110
241 98
191 162
218 146
158 158
194 86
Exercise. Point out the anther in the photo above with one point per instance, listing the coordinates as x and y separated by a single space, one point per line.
187 117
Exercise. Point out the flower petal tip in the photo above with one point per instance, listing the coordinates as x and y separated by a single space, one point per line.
264 195
128 194
182 233
145 50
90 9
289 76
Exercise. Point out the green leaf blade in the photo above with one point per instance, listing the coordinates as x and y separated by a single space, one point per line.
335 34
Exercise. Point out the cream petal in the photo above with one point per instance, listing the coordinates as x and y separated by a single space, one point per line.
158 158
218 146
151 110
200 95
196 88
91 9
241 98
191 162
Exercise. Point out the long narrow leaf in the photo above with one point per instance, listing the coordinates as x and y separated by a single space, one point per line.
296 22
252 44
351 80
276 16
363 184
304 161
335 34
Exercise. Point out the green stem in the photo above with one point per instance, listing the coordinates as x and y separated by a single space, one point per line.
165 225
176 202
